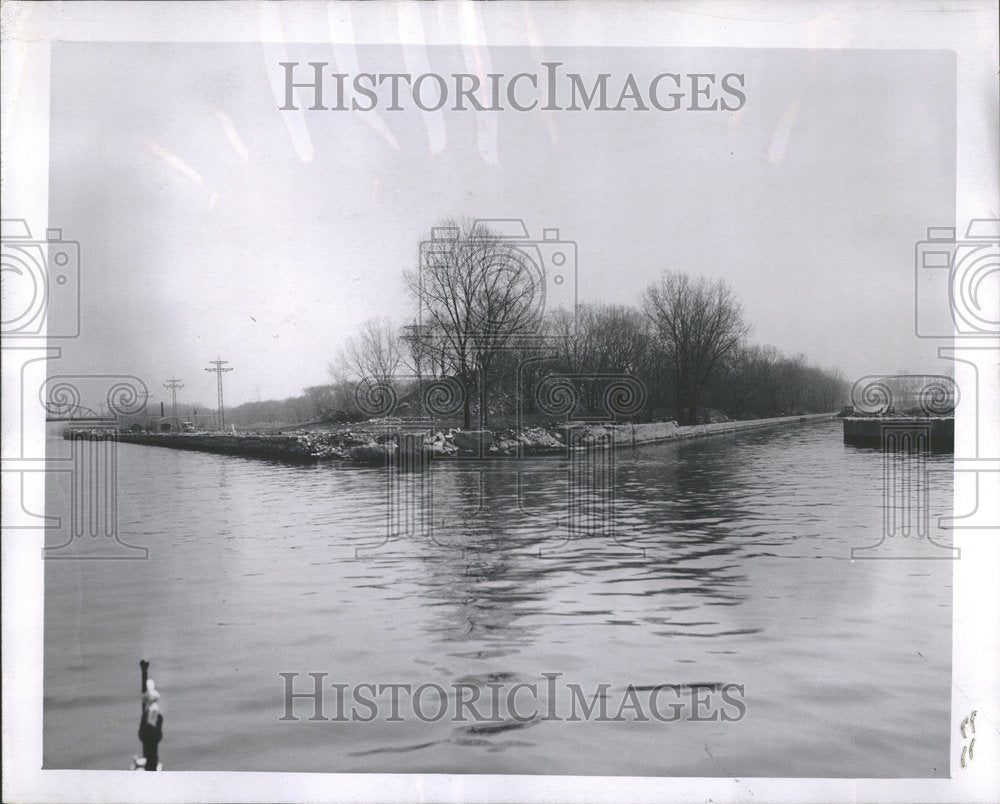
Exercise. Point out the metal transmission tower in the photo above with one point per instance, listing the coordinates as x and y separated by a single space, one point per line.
172 385
218 371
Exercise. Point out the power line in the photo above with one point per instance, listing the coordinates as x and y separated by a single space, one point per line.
218 371
172 385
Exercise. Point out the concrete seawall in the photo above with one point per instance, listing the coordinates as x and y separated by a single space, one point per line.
289 447
636 434
308 447
901 432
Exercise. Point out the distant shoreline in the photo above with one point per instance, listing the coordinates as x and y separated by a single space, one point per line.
393 443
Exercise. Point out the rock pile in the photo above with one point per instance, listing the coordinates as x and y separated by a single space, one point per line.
528 441
410 444
381 448
475 441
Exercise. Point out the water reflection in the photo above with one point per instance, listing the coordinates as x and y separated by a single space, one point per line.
722 560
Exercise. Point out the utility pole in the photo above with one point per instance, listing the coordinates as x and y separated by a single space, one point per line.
172 385
218 372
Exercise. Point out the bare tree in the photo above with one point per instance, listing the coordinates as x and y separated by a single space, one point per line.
374 355
792 378
320 399
571 336
477 293
600 339
743 378
698 323
620 338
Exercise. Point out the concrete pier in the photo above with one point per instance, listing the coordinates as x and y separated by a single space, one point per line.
352 446
934 434
652 432
287 447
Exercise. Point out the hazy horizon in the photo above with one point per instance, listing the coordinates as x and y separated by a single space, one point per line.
211 223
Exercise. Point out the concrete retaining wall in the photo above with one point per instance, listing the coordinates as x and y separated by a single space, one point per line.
301 447
266 446
635 434
900 432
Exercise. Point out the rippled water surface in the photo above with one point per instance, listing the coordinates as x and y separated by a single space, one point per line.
728 563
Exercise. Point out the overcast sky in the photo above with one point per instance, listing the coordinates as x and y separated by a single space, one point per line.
211 223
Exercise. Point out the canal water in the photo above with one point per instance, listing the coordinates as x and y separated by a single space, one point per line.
721 568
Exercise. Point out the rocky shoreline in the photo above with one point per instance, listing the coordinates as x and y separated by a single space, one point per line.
378 443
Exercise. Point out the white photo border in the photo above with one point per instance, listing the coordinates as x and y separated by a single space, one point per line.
968 28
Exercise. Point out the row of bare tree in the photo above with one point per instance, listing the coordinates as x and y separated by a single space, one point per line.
481 324
483 342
